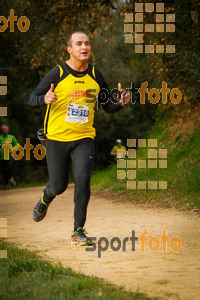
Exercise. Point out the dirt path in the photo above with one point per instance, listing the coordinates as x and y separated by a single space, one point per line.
169 275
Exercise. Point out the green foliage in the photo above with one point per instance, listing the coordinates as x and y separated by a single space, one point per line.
182 173
26 57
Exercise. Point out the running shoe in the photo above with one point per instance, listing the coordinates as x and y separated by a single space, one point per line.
40 210
79 236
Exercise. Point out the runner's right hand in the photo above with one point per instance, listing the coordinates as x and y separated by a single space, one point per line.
50 96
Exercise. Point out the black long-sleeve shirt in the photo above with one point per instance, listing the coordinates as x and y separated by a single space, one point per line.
105 97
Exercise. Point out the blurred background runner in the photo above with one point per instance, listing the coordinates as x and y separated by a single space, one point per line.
6 169
118 145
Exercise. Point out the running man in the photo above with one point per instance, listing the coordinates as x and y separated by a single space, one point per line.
118 145
70 91
5 163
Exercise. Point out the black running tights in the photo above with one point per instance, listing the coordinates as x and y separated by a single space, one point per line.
59 155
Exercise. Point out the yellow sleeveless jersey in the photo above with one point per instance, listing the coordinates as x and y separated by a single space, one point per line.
71 117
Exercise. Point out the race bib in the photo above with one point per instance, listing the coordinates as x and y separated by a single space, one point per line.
77 113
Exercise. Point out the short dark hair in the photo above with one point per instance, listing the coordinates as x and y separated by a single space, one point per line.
70 35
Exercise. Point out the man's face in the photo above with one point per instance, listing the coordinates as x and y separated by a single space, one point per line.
4 130
80 48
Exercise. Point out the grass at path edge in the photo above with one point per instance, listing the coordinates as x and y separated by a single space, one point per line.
24 275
